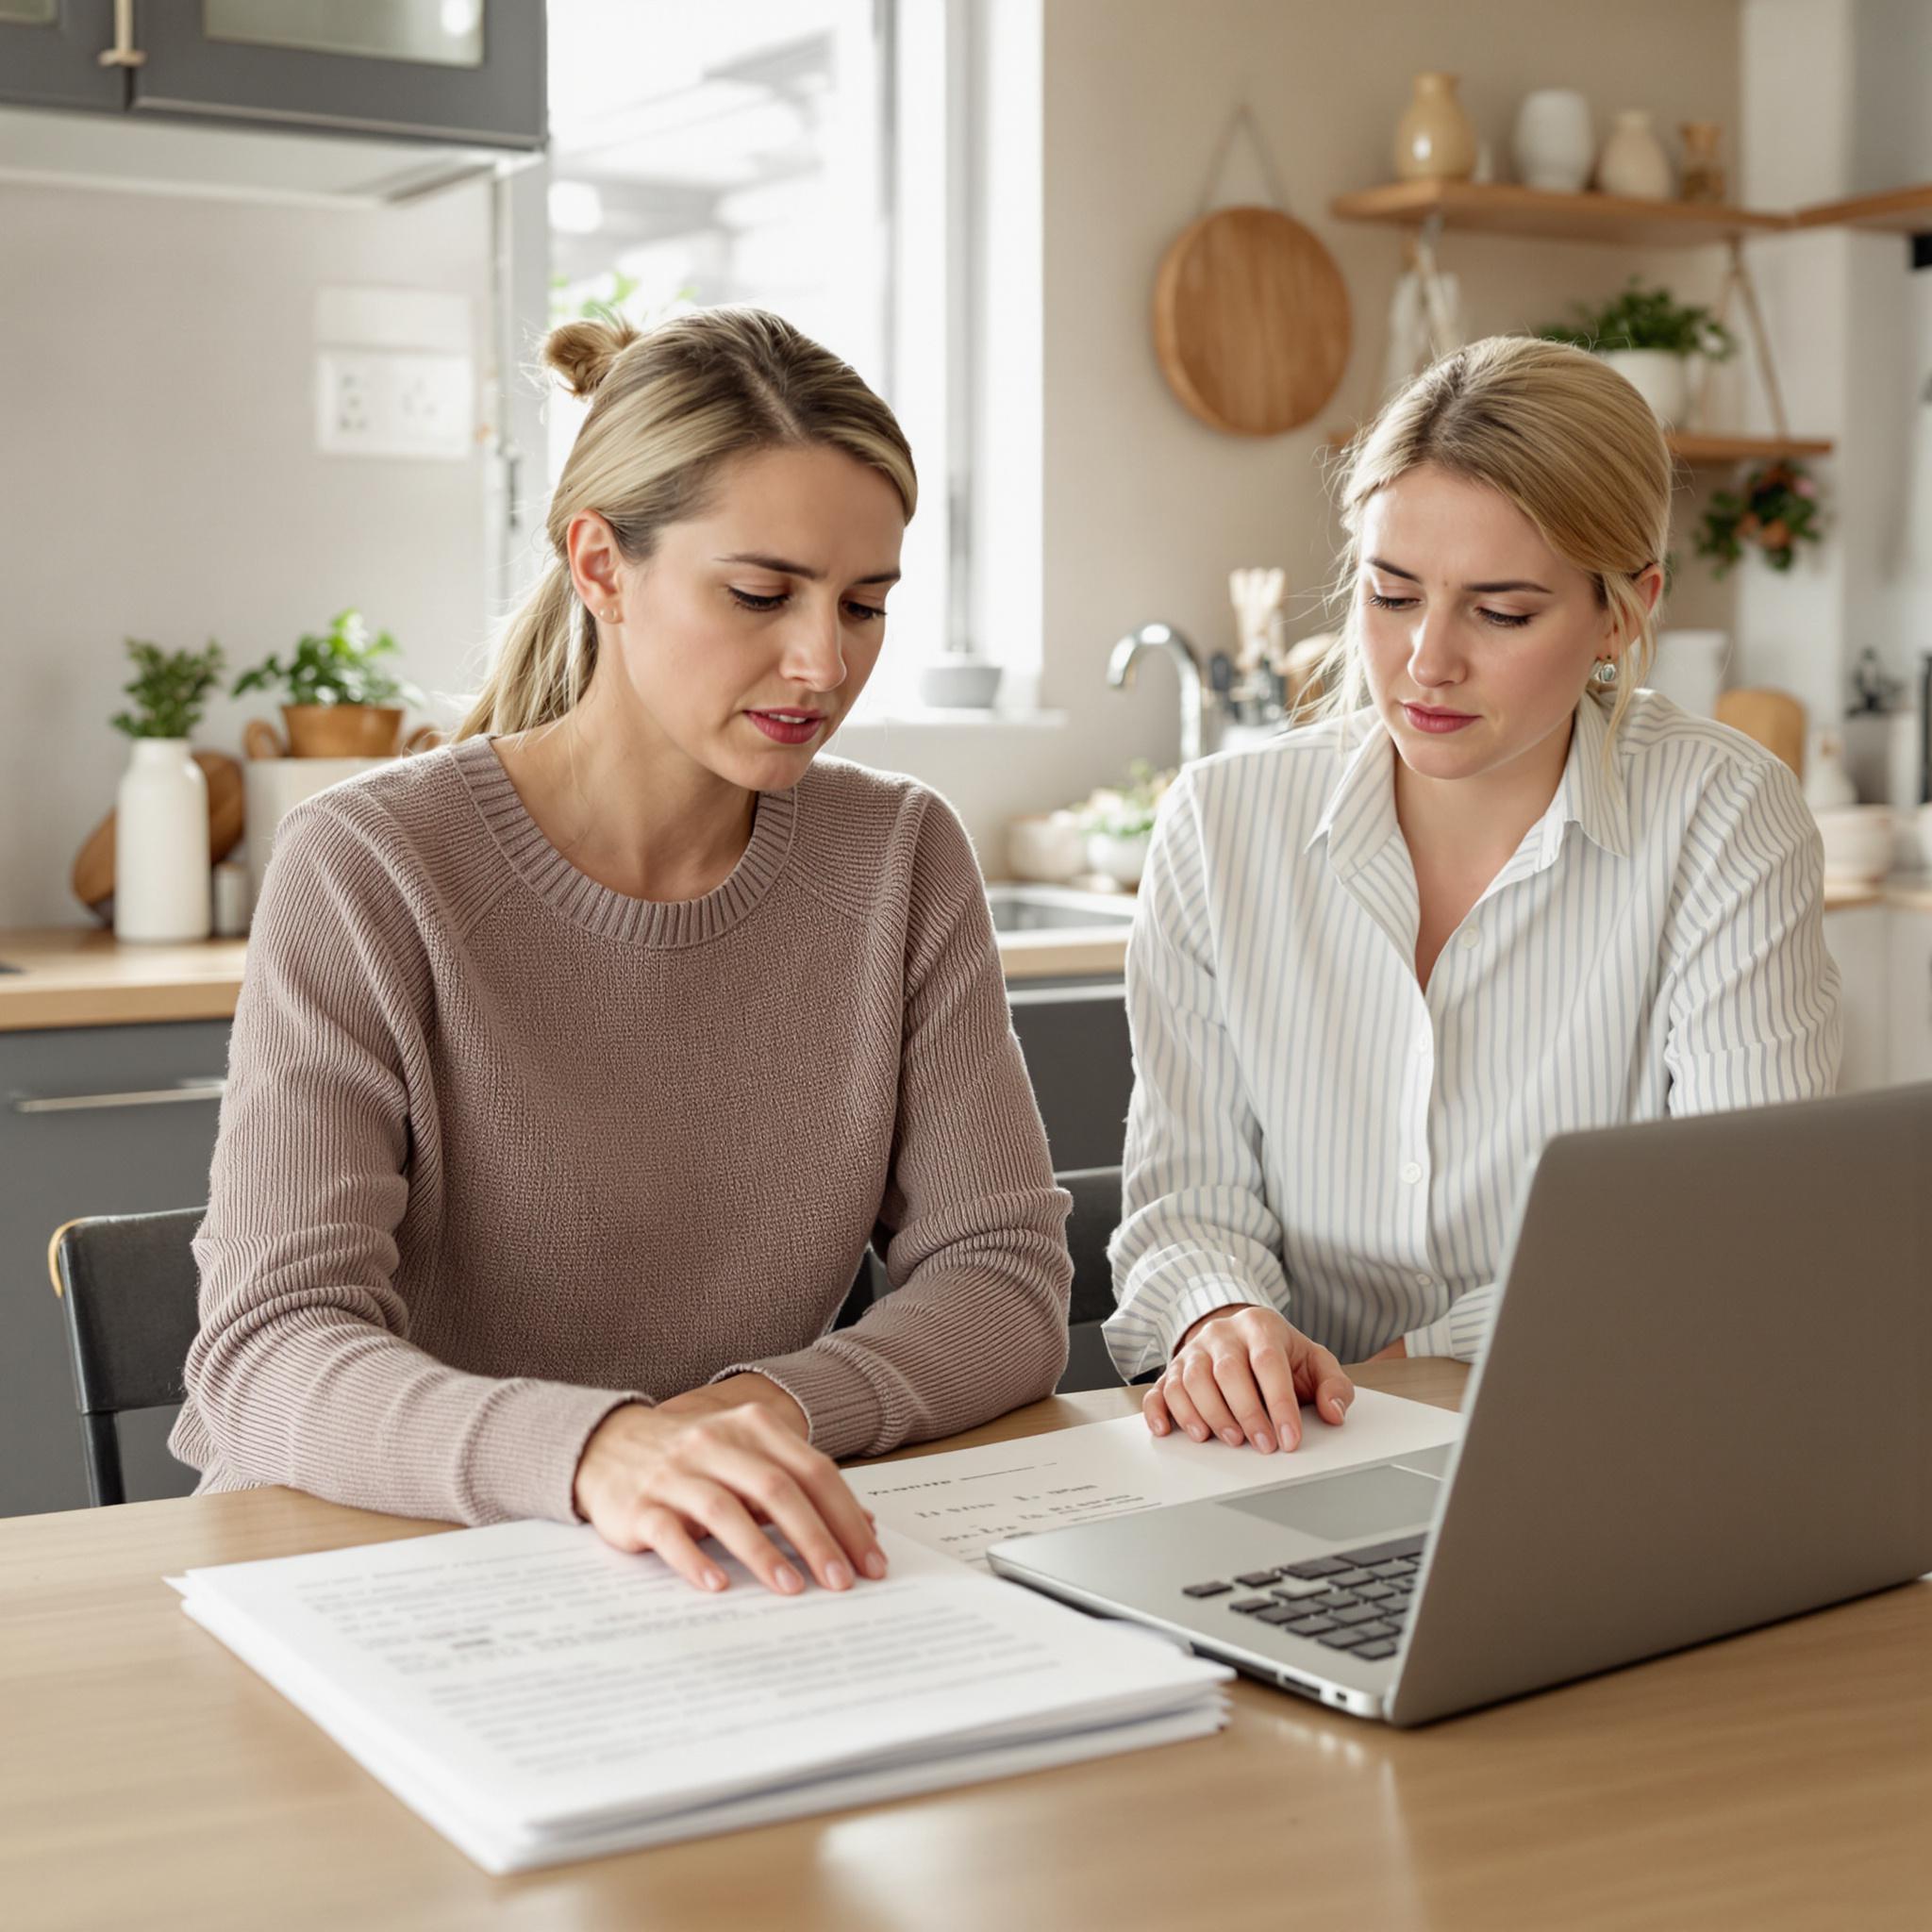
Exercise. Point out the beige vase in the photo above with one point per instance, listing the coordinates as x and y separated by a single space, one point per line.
1633 162
1435 141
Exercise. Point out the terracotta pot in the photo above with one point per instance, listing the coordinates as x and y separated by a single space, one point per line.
1435 141
342 731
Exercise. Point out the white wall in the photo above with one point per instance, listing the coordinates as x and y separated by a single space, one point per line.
160 479
1840 103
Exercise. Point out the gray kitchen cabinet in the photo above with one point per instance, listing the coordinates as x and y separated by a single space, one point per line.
1074 1033
93 1120
426 70
50 55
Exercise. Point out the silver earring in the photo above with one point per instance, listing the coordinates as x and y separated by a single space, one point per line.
1606 672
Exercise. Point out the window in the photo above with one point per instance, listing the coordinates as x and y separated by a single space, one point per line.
757 152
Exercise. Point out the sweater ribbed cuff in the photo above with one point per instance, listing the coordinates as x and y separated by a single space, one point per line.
842 1410
526 1446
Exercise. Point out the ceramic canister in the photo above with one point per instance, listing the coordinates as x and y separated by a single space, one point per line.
1555 143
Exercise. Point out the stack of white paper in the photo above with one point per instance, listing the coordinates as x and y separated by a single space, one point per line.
537 1695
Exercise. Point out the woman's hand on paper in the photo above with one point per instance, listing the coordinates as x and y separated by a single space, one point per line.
722 1461
1243 1372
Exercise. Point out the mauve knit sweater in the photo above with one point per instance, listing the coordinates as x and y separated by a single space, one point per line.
502 1148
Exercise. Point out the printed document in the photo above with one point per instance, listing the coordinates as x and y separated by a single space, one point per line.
961 1501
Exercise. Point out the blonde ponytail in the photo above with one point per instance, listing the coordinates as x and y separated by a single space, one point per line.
543 665
670 407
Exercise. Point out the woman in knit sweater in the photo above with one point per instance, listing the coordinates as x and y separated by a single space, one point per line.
577 1064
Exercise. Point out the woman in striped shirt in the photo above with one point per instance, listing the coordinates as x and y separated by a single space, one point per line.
1497 894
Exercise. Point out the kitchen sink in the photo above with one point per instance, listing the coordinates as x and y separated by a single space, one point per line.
1058 908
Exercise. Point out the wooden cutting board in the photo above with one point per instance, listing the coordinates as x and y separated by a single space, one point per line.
1251 321
94 866
1774 718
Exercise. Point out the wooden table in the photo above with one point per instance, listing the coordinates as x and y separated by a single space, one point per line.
1782 1779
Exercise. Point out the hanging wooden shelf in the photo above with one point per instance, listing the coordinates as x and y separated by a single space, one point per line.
1505 207
1710 450
1897 211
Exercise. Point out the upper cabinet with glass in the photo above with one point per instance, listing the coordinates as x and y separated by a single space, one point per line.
465 71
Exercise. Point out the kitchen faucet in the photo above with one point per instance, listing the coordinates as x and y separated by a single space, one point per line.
1164 637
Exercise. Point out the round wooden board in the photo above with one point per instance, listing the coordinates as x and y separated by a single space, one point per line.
93 865
1251 321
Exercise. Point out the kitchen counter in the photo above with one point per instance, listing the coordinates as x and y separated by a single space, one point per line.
83 977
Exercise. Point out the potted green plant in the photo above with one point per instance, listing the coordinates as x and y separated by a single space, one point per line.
341 701
1119 823
1774 511
1650 339
160 807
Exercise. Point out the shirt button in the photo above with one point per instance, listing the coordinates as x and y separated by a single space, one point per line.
1411 1173
1471 937
1426 1281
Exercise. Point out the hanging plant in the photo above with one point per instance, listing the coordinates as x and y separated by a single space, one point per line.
1776 510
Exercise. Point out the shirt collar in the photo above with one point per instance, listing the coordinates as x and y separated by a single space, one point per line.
1360 812
1590 793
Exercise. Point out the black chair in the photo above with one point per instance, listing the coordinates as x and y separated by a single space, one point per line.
1096 1192
127 1285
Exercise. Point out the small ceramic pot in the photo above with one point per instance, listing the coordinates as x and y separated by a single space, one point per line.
1123 860
955 683
1048 848
1435 141
1659 376
1689 667
1633 162
1555 143
1857 842
342 731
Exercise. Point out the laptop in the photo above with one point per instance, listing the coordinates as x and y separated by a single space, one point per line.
1705 1403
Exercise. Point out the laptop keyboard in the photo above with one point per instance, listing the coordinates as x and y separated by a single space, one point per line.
1357 1603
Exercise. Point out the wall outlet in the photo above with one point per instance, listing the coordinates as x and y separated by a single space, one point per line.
394 403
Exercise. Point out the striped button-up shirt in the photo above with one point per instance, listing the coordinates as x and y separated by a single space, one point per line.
1313 1129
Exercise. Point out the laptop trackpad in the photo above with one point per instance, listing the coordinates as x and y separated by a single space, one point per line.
1346 1508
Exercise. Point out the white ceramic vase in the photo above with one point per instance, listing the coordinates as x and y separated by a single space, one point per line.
1659 376
1555 143
1689 667
162 869
1633 162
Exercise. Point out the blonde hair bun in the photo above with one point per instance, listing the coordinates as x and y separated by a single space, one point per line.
582 352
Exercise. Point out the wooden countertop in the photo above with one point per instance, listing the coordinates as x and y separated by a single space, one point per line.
1779 1780
83 977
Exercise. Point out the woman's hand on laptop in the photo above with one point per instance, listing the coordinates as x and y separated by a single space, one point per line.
720 1462
1243 1372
